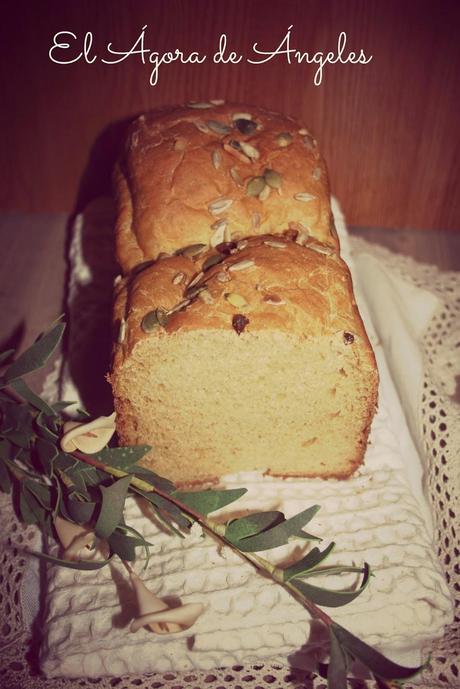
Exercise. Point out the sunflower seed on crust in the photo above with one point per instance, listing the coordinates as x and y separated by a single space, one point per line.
199 106
201 127
219 206
223 276
178 278
284 139
249 150
236 153
192 250
218 127
192 292
265 193
122 331
196 279
242 265
212 261
217 101
275 244
235 175
303 131
178 307
241 116
255 220
216 157
304 196
242 244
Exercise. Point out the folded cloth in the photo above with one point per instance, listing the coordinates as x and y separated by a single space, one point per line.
379 515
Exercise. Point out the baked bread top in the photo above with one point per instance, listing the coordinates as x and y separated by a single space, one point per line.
267 282
213 173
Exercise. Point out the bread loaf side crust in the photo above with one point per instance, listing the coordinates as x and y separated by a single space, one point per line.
183 170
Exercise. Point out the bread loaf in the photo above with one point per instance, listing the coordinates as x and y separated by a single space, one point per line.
246 353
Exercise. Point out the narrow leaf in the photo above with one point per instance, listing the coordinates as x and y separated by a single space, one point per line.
45 427
310 560
36 356
123 458
29 395
280 533
81 512
113 500
337 670
125 546
375 661
167 507
83 564
331 599
5 480
39 491
206 501
154 479
243 528
46 453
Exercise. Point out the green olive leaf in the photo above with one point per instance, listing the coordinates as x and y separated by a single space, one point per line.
36 356
308 562
124 545
155 480
80 511
123 458
41 492
337 670
46 452
206 501
29 395
376 662
5 479
166 507
271 536
111 511
328 598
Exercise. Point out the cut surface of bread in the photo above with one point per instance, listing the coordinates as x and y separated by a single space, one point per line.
248 357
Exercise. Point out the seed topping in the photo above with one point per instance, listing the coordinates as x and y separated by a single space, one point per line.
122 331
192 250
304 196
273 178
245 126
216 157
236 176
239 322
265 193
201 126
193 291
212 261
242 265
196 279
255 186
242 244
275 244
223 276
199 106
274 299
249 150
241 116
219 206
178 278
218 127
235 300
154 319
284 139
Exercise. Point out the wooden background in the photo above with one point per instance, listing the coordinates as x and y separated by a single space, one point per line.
389 130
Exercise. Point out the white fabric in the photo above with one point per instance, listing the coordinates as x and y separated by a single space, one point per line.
380 514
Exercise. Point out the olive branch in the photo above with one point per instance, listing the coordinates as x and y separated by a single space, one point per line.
47 482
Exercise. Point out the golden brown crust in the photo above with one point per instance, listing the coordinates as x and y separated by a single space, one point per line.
279 285
179 162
